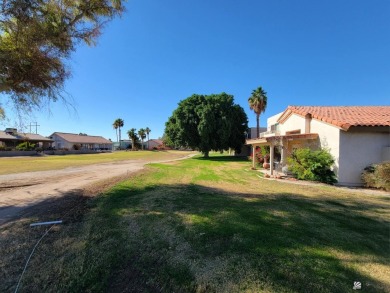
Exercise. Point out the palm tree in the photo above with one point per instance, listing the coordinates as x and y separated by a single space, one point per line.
147 130
132 133
118 123
116 129
258 103
142 135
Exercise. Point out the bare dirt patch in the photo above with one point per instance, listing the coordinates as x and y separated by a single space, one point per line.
18 238
25 190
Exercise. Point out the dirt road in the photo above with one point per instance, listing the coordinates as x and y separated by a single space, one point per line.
23 190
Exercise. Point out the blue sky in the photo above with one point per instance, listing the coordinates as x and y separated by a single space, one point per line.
301 52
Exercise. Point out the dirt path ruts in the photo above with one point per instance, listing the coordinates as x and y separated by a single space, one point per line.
24 190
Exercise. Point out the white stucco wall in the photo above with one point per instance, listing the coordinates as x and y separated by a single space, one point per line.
357 151
294 122
272 120
329 137
352 150
60 143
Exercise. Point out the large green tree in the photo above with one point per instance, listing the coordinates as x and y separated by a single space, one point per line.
36 40
258 103
207 123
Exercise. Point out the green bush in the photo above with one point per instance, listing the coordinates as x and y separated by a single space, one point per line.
25 146
307 164
377 176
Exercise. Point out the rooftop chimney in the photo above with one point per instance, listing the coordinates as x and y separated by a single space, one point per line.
11 130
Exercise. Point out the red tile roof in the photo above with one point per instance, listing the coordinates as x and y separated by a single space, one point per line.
343 116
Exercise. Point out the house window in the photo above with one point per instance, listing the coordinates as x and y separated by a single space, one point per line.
275 128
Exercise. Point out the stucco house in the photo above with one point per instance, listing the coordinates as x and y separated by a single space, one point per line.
10 137
154 144
82 141
356 136
252 132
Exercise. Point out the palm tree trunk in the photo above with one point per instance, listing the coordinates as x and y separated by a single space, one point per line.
258 125
120 144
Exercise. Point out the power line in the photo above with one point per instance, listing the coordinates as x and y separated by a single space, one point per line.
36 126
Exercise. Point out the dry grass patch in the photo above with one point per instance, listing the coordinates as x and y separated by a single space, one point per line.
60 254
44 163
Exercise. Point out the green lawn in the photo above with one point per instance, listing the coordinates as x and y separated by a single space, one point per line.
214 226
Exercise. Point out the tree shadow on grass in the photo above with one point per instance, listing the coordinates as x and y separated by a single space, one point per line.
192 238
222 159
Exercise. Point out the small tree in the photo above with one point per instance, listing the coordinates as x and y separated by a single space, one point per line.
142 135
25 146
132 133
311 165
377 176
147 130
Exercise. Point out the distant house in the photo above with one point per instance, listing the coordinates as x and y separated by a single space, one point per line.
252 132
153 144
356 136
10 137
80 141
124 144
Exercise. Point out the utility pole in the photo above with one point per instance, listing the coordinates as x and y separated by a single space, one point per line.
36 127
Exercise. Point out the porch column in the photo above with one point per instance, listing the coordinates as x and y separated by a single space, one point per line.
253 156
283 153
271 158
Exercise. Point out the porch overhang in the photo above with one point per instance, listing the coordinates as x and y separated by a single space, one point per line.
277 140
272 139
257 142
